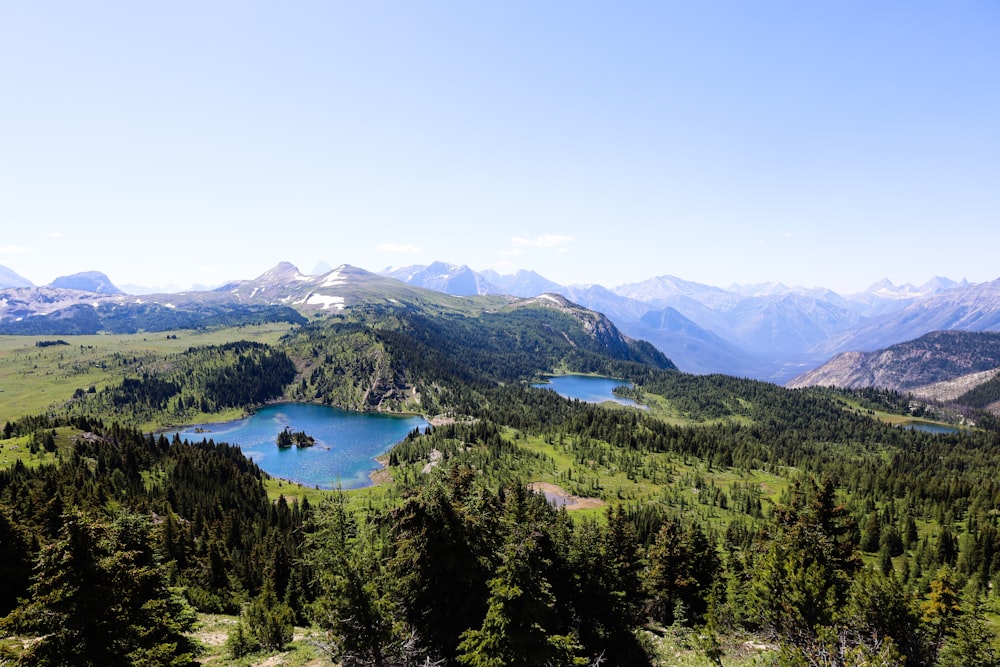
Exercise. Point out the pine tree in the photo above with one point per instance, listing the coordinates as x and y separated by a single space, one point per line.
878 612
973 642
682 567
100 598
608 599
15 561
354 607
446 541
803 578
941 609
269 622
519 627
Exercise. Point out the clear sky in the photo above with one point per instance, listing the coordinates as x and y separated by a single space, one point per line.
827 143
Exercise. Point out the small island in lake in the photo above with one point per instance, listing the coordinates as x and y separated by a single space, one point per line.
287 438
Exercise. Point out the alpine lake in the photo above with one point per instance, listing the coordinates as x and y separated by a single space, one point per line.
346 443
587 388
344 451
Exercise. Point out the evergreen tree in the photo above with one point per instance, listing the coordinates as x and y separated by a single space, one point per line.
871 536
100 598
445 541
941 609
354 607
606 562
267 621
15 561
520 627
682 566
803 578
878 612
973 642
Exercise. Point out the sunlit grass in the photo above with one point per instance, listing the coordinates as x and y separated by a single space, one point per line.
213 629
678 481
36 379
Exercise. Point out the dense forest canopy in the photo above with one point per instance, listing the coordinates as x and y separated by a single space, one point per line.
730 512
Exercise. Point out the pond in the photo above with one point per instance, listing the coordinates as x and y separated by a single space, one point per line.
928 427
344 453
588 388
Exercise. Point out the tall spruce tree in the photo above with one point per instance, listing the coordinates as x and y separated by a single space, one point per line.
100 598
354 608
802 580
521 623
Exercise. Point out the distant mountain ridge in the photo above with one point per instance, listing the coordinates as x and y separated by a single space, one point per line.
768 331
283 293
447 278
964 308
87 281
9 278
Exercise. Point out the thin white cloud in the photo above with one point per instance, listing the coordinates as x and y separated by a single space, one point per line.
542 241
398 248
14 250
55 235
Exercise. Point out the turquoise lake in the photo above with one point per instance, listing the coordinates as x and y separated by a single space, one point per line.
346 442
589 388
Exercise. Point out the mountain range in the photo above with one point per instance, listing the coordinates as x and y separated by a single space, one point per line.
769 331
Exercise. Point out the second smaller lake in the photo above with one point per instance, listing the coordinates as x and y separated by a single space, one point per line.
928 427
588 388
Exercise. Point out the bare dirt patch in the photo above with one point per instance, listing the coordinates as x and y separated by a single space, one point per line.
562 498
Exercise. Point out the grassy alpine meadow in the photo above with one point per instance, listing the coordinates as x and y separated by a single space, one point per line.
212 631
685 483
21 449
38 372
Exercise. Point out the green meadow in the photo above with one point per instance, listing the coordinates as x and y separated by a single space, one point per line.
33 379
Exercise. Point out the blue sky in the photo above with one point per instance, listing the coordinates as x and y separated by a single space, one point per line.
813 143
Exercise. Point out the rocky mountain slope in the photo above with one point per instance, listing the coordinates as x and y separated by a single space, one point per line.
938 357
949 391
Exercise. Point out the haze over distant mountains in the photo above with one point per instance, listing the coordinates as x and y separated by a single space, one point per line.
88 281
767 331
9 278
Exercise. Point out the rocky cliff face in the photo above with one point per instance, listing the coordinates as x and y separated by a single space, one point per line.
936 357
